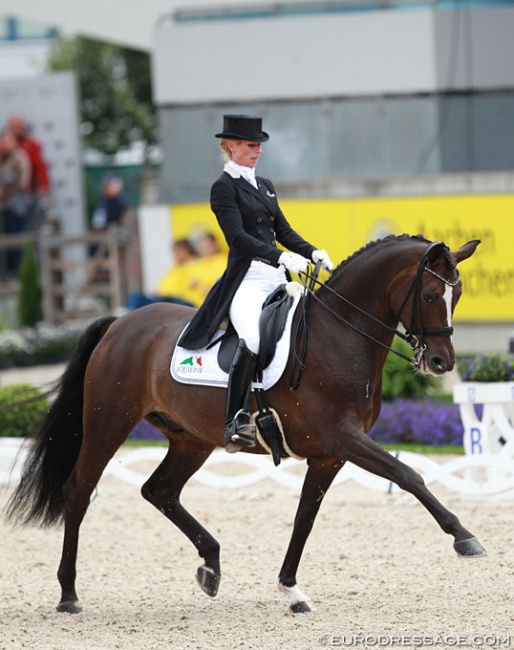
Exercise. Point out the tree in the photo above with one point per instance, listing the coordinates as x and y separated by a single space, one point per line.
116 108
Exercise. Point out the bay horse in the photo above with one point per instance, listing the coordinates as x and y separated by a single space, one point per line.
119 374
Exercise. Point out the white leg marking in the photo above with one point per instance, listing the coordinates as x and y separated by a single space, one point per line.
294 594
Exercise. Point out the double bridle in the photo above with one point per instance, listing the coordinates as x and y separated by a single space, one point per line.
414 336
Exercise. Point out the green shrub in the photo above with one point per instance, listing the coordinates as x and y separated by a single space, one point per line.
399 379
30 310
18 421
487 367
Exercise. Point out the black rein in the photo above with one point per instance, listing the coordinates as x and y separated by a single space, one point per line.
414 336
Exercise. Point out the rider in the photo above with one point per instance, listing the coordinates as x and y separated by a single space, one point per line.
248 213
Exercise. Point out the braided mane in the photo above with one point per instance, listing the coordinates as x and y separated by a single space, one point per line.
383 240
378 242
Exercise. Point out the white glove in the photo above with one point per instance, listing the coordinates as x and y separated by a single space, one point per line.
294 262
322 256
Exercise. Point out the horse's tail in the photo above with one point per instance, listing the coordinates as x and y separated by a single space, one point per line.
55 448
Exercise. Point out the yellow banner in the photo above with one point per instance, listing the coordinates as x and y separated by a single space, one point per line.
342 226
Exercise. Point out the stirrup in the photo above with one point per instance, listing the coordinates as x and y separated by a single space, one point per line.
240 434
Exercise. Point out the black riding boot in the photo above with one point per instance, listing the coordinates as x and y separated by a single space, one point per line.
239 426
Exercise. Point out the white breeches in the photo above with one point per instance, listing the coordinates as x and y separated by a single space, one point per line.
260 280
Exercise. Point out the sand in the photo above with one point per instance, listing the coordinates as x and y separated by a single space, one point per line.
379 570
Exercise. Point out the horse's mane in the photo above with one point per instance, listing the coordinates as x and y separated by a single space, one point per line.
378 242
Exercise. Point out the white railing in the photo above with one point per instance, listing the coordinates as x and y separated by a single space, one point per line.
471 476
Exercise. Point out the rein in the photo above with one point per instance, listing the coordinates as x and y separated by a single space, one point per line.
414 336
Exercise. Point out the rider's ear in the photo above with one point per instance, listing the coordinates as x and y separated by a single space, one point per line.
466 251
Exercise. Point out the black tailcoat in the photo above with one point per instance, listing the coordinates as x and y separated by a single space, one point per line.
252 223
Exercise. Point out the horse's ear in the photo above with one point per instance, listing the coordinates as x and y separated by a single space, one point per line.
466 251
436 250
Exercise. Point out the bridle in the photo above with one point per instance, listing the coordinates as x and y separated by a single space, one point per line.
414 335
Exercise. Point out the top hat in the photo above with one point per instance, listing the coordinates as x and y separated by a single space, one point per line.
243 127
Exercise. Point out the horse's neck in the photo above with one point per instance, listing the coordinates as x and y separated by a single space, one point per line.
360 293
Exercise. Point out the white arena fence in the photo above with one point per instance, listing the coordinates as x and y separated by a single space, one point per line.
470 476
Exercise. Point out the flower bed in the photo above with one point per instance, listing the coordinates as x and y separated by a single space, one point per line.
31 346
425 421
487 368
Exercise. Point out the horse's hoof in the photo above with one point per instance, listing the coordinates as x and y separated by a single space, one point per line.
208 580
304 607
469 548
69 607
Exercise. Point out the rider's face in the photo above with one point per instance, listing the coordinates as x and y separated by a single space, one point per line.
245 152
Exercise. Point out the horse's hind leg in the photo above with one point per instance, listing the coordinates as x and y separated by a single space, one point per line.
367 454
77 491
185 456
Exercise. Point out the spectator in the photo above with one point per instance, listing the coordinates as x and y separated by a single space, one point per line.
179 284
15 198
112 206
210 264
39 179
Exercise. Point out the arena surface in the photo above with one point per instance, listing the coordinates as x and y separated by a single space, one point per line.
378 568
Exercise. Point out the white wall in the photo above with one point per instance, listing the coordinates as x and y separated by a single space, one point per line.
48 103
301 56
154 224
23 58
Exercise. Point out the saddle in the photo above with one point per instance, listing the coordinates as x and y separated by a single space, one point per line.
272 323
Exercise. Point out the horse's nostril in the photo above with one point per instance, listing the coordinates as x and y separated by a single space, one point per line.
438 364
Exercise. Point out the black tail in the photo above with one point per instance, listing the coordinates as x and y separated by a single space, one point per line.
55 448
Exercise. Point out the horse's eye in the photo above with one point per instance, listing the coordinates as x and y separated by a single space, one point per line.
428 297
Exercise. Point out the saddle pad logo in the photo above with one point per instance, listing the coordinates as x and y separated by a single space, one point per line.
191 365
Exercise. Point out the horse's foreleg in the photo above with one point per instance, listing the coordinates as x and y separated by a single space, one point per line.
185 456
318 479
364 452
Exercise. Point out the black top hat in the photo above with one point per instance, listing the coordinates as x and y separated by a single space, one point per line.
243 127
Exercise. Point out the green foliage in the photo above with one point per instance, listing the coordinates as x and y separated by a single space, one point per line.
399 379
19 421
30 346
30 310
487 367
115 92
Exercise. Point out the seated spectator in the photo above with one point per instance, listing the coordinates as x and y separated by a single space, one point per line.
209 266
179 284
15 197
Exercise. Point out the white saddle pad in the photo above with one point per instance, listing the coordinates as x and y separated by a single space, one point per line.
201 366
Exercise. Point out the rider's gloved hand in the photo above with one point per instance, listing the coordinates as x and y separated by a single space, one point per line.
294 262
322 256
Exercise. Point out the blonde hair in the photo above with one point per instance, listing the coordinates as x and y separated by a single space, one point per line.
225 152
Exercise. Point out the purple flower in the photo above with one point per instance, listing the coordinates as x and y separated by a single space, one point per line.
427 422
145 431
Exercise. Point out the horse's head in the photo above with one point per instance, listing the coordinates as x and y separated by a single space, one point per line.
425 305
